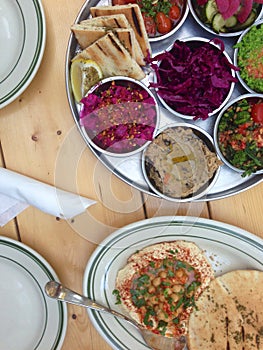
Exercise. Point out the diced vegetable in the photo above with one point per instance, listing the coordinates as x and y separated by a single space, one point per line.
240 135
250 58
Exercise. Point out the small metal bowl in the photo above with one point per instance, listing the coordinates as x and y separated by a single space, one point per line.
110 120
198 13
176 25
244 82
160 157
196 42
251 99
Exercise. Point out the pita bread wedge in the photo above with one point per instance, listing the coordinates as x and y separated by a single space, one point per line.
229 313
112 57
111 21
86 35
134 17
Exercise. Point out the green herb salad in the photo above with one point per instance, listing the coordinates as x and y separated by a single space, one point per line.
250 57
240 135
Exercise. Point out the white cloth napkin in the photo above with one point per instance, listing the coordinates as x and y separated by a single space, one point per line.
17 192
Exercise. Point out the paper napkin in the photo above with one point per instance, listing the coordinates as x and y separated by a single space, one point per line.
17 192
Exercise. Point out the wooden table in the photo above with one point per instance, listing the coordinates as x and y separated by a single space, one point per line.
38 138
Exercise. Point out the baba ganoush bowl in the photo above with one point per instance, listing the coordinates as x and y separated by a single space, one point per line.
119 116
181 164
238 134
248 57
194 78
224 22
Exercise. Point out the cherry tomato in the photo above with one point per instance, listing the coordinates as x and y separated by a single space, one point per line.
150 25
257 113
174 12
164 23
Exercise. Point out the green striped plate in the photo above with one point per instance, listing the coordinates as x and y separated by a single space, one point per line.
22 43
226 246
29 319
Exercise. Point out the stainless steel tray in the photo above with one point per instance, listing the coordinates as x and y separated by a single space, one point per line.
129 168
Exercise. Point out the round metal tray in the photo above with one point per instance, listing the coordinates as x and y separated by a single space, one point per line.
129 169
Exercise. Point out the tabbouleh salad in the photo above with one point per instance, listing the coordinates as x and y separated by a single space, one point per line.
240 135
250 58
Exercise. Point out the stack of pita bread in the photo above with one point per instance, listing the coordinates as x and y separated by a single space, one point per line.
115 38
229 314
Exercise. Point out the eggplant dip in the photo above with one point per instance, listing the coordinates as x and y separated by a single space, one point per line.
179 164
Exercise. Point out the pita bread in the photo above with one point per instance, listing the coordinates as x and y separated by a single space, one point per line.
112 57
86 35
111 21
133 14
229 313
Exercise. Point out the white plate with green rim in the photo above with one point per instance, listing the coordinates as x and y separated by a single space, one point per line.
22 43
227 247
29 319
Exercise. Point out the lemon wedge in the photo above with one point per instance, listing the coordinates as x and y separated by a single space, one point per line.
84 74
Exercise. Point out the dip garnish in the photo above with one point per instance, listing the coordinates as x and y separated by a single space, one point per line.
119 119
161 283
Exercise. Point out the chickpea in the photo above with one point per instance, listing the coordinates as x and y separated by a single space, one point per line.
175 297
179 273
151 289
168 291
161 316
163 274
162 298
153 300
156 281
177 288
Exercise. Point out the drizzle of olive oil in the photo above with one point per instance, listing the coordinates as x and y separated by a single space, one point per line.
184 158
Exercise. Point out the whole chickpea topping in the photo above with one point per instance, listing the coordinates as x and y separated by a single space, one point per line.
161 294
177 288
163 274
156 281
151 289
175 297
179 273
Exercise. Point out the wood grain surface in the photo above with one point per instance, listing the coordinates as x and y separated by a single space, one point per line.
38 138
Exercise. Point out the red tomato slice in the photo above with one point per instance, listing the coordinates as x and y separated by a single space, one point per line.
174 12
257 113
164 23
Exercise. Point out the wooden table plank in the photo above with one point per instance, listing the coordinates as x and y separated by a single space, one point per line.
39 139
243 210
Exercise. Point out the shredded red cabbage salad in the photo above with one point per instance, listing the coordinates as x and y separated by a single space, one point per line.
119 119
193 80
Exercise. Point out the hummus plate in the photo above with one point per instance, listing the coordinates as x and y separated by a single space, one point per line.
227 248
